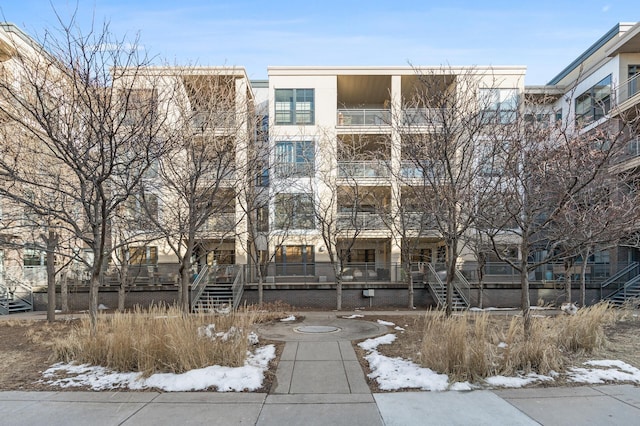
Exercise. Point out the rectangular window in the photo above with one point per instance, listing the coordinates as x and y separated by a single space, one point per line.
34 257
295 260
294 211
593 104
295 159
294 106
143 255
499 105
634 75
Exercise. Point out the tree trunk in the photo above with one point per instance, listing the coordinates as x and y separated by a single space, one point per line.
52 242
185 269
525 302
409 278
583 279
568 264
480 272
94 286
451 273
339 292
64 293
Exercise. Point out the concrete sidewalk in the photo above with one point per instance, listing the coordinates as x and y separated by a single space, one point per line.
593 405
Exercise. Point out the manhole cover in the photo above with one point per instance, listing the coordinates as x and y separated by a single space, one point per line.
316 329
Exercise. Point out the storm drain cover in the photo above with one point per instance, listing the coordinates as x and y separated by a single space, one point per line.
316 329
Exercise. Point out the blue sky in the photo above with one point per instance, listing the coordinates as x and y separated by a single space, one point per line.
543 35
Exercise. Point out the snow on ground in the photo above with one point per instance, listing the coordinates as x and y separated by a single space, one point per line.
289 318
397 327
397 373
383 322
518 381
246 378
353 316
605 371
476 309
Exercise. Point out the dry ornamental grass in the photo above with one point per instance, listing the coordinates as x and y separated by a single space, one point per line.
159 340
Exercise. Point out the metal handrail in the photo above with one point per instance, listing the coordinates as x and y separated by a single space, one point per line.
4 300
434 278
363 169
628 88
615 278
199 284
461 281
364 117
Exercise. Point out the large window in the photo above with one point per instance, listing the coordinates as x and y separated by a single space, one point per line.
294 211
143 212
295 260
143 255
294 159
593 104
499 105
294 106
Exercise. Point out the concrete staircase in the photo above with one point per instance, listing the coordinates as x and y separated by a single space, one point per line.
214 297
623 287
217 289
11 302
438 289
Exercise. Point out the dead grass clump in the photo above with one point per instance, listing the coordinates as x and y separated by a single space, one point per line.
457 345
584 331
270 311
538 353
470 346
159 340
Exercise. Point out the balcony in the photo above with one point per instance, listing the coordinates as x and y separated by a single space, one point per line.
419 221
361 221
213 119
632 150
293 170
628 89
364 117
422 116
220 223
363 169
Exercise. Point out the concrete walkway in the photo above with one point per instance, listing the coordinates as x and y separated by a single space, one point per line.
320 382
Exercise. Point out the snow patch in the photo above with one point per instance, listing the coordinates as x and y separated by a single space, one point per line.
383 322
605 371
517 382
226 379
289 318
353 316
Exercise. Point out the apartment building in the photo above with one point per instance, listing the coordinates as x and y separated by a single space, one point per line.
317 166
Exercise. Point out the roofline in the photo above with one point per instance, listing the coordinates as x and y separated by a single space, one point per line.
590 51
10 27
388 70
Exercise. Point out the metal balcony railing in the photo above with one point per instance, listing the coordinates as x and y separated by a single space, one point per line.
361 220
364 117
213 119
293 170
220 222
363 169
422 116
628 88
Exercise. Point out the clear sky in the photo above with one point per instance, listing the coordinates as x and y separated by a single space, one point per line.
543 35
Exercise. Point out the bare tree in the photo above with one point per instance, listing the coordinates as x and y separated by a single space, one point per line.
545 170
198 187
90 137
444 151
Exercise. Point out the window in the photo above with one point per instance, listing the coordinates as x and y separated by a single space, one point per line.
634 75
441 254
294 211
295 260
143 255
295 159
295 106
538 119
593 104
499 105
34 257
